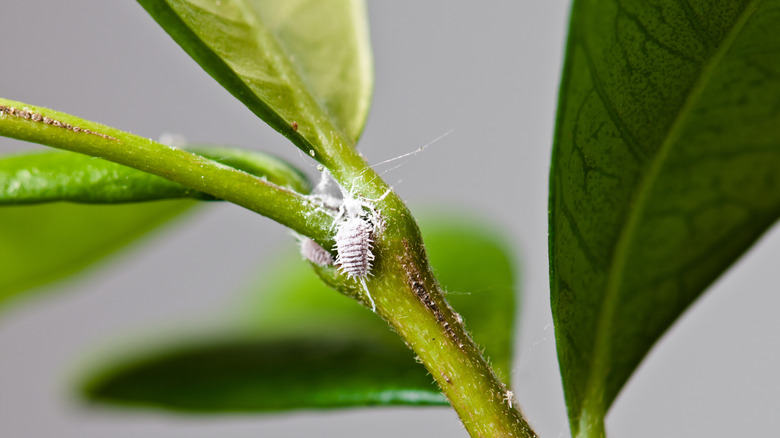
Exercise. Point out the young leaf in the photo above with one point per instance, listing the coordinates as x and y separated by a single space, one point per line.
302 66
309 347
67 176
43 243
664 172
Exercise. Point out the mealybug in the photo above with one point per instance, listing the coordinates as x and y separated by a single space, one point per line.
356 219
313 252
354 245
357 223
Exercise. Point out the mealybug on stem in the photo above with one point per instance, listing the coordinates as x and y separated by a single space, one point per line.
313 252
354 245
357 223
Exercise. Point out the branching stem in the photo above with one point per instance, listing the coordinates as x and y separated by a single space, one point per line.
403 287
52 128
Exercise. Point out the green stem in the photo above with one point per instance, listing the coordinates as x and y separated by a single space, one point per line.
406 293
52 128
412 302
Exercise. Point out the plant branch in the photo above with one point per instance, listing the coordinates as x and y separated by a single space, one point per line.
63 131
411 301
406 293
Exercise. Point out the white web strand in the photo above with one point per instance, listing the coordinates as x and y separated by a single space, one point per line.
368 294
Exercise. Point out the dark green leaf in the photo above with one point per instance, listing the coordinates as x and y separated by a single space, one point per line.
309 347
302 66
68 176
665 170
43 243
265 375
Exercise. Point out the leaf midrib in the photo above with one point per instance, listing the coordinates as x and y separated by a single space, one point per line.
595 383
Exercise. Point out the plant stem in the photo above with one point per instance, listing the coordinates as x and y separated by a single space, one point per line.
406 293
410 299
52 128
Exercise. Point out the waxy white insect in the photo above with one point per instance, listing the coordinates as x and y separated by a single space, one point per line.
313 252
357 223
354 246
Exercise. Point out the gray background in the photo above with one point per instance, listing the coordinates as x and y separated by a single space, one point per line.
488 70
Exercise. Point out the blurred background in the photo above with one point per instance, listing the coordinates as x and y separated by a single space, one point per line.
488 71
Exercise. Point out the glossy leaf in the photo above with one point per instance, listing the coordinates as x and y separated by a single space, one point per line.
67 176
43 243
665 170
302 66
306 346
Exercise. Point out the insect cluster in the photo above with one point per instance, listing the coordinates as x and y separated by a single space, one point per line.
357 222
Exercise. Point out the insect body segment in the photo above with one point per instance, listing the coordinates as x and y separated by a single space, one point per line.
354 245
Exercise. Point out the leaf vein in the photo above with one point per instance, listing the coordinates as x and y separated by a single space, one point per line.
633 145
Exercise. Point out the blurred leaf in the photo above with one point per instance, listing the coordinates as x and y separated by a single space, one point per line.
266 375
68 176
308 347
293 63
665 170
43 243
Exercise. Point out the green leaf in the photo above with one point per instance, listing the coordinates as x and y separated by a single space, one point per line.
67 176
302 66
305 346
665 170
43 243
267 375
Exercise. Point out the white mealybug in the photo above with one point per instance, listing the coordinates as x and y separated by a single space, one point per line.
356 220
354 241
357 223
354 246
313 252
